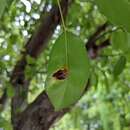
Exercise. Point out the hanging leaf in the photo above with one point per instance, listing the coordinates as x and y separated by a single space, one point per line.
121 40
119 66
66 80
117 11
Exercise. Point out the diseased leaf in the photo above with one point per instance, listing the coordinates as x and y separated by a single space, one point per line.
65 82
119 66
117 11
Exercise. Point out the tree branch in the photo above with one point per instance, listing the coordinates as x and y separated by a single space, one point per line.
91 46
93 38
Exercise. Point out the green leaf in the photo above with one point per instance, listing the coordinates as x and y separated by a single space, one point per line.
104 115
117 11
3 4
5 124
66 83
10 90
119 66
30 71
94 79
30 60
110 119
121 40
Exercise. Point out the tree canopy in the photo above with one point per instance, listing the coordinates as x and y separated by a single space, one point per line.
65 64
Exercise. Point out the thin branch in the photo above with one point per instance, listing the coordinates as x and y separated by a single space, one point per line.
91 45
93 38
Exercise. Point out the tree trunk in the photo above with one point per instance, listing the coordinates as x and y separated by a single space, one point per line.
39 115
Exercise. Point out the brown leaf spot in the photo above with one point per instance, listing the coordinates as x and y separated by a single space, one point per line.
61 74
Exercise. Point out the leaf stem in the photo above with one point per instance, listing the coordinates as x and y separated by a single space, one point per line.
64 28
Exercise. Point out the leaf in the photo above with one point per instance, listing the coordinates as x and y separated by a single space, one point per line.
109 117
30 60
65 83
94 79
117 11
10 90
119 66
30 71
6 125
104 112
2 7
121 40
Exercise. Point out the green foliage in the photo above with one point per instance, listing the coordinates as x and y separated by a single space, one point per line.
30 60
5 124
117 11
67 90
121 40
31 67
3 4
10 90
106 104
119 66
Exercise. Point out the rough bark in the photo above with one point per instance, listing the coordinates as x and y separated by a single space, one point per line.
39 115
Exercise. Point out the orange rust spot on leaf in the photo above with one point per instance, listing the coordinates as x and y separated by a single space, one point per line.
61 74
